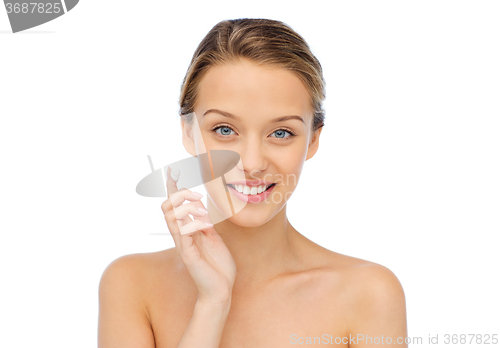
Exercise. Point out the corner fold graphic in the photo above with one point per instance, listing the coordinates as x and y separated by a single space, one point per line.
70 4
24 14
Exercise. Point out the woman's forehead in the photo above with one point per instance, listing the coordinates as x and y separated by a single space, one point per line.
244 85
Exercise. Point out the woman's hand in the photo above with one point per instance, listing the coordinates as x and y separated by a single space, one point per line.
200 247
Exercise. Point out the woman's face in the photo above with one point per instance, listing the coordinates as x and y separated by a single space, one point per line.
239 107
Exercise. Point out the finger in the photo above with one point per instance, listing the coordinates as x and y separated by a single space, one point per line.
180 196
195 225
171 184
174 227
200 207
177 198
209 231
185 209
185 245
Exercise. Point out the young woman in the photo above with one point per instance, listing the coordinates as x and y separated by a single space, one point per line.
250 279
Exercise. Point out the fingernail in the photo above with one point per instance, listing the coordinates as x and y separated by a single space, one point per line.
204 211
208 224
199 195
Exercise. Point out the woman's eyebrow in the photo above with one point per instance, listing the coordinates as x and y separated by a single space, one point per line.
278 119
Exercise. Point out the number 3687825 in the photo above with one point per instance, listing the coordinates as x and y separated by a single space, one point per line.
33 7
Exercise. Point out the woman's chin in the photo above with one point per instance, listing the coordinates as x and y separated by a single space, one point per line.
249 219
246 215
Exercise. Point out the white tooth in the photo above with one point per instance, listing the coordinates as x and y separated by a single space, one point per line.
246 190
260 189
253 191
239 188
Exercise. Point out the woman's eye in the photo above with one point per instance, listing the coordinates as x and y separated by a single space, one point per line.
281 133
224 130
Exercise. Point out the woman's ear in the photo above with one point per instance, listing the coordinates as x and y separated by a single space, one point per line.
314 143
187 137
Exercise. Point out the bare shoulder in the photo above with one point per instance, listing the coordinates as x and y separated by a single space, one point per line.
134 265
352 274
365 273
124 320
131 276
125 291
368 291
138 268
363 279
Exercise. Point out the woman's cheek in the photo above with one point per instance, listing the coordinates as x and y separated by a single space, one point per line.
291 161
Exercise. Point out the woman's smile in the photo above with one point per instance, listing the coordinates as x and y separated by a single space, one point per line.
251 192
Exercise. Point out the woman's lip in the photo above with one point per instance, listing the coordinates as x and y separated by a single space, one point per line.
250 182
259 197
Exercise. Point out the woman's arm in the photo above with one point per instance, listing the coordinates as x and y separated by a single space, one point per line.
123 318
379 313
206 325
208 262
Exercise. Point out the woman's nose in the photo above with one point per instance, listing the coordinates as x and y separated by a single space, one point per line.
253 157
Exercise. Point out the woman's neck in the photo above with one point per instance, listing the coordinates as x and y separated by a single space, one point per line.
264 252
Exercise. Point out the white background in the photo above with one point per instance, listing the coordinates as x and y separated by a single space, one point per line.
406 174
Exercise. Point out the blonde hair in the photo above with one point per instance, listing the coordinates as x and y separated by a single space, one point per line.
263 41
